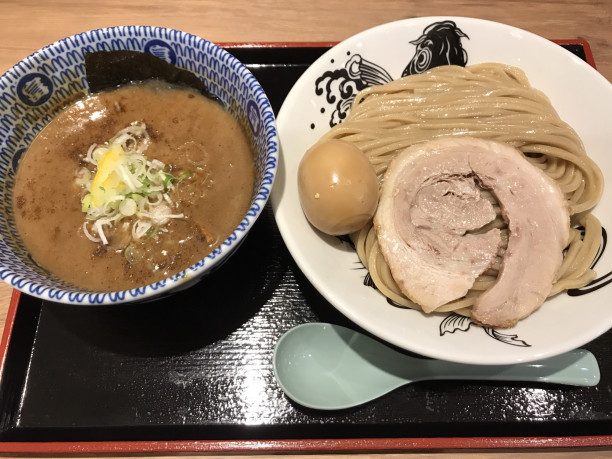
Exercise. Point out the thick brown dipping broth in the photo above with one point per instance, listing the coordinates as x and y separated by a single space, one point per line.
188 132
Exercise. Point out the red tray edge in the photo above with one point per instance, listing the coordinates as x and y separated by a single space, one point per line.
320 44
8 329
329 445
312 446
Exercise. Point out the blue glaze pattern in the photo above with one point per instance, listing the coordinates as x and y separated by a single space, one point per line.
37 87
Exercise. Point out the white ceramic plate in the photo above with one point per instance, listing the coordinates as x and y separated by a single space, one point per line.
581 95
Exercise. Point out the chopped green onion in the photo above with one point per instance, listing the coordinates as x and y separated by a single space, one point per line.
152 232
132 254
86 202
166 181
128 207
146 181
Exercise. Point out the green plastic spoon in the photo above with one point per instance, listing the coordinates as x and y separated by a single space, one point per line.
329 367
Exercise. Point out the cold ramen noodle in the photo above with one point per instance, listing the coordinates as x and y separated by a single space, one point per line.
484 193
131 185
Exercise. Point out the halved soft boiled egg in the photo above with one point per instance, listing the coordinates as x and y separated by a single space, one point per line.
337 186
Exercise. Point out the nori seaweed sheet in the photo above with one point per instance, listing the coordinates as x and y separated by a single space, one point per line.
109 69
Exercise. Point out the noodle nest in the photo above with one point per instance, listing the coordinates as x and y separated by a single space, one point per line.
489 101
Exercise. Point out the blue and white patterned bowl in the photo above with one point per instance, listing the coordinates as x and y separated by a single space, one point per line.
30 94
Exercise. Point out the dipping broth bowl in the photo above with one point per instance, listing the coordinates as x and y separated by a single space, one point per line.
37 87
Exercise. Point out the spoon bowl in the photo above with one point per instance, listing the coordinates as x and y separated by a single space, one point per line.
330 367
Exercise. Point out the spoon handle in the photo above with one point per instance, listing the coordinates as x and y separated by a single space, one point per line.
575 368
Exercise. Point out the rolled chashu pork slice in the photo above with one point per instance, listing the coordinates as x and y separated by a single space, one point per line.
430 220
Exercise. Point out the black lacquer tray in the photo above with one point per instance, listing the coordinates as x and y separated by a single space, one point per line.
194 371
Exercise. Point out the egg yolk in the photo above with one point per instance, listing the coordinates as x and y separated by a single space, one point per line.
338 187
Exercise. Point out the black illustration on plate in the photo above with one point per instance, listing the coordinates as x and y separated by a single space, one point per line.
439 44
